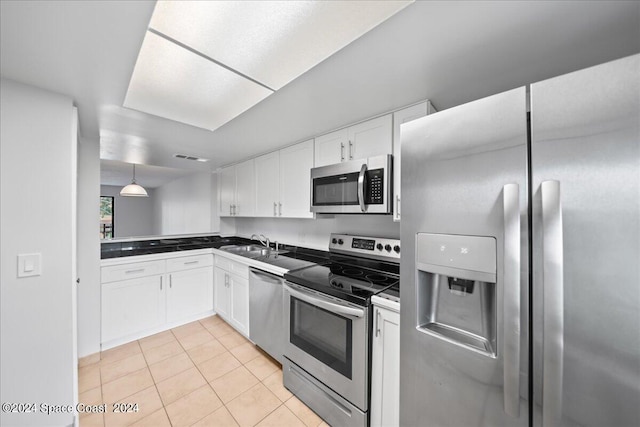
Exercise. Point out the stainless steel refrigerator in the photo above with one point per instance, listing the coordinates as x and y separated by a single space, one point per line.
520 271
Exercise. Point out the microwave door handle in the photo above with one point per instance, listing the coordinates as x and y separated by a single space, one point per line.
322 303
363 171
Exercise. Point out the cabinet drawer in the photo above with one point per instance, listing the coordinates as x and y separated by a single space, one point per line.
131 271
189 262
233 267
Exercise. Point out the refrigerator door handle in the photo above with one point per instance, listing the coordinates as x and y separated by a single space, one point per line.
511 299
553 304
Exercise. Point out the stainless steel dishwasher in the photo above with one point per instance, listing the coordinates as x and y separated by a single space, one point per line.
266 328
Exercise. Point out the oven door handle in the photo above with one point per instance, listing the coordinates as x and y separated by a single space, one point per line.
363 171
323 303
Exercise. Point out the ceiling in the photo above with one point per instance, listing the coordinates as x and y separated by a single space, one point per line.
449 52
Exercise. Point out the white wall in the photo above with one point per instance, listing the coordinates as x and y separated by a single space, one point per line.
88 247
36 200
314 234
134 216
184 206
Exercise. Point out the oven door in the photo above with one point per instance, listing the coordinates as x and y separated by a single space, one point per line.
329 339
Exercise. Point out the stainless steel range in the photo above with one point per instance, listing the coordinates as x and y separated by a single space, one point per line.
328 326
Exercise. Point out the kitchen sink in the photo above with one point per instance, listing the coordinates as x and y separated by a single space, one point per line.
250 251
237 249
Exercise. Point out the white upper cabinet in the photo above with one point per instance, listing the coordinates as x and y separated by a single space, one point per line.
295 180
267 184
227 190
283 186
245 189
366 139
331 147
399 117
237 190
370 138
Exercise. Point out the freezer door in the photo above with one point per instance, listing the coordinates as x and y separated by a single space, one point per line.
585 160
464 282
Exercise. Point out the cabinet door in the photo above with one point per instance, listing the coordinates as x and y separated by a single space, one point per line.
267 184
385 368
295 180
227 190
221 293
190 292
370 138
245 189
331 148
132 306
240 303
400 117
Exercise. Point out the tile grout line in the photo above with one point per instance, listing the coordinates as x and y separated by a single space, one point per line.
224 405
154 385
184 350
201 373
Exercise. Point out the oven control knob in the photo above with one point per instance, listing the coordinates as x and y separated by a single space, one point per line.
334 241
396 248
379 246
340 241
387 248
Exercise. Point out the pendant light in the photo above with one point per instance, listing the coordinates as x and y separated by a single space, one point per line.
133 189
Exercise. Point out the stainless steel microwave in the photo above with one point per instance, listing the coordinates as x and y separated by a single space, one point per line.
353 187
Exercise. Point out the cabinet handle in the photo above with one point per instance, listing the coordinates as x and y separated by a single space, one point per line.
235 210
226 280
191 262
350 150
280 208
398 206
377 322
342 151
274 209
140 270
170 281
160 282
230 209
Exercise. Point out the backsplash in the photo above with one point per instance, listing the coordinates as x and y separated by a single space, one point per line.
314 233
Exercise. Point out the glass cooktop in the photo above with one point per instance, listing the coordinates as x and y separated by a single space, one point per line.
350 282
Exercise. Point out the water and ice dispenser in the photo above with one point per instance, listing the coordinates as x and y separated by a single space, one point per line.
456 287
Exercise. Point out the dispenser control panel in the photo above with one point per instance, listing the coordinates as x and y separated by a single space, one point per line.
469 253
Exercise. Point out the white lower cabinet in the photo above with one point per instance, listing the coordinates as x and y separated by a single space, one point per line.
190 292
143 298
132 306
240 303
232 293
385 365
221 296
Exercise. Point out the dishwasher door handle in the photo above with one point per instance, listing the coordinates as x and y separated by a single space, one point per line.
266 277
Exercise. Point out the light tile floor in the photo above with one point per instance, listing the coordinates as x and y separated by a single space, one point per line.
202 374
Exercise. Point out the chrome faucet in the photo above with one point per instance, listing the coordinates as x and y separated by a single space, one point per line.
261 238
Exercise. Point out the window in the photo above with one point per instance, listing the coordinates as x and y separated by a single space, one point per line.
106 217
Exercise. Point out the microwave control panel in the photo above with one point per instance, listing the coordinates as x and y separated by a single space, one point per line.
375 187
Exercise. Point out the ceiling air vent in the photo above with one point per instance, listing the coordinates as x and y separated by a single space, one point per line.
185 157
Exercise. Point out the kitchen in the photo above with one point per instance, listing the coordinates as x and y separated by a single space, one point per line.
447 61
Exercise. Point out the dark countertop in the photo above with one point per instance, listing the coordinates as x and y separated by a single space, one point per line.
162 245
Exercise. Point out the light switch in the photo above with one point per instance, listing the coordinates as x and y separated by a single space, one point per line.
29 265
